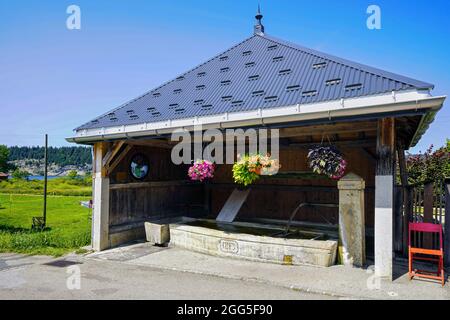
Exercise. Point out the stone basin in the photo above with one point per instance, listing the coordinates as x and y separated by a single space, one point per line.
252 241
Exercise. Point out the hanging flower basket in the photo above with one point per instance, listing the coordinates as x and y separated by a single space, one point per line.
327 160
201 170
249 168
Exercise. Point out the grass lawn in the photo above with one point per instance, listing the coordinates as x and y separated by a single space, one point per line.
68 224
60 186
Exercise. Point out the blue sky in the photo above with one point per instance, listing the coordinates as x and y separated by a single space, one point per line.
53 79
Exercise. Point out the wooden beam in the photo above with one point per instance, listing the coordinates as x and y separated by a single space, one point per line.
428 204
343 143
112 152
329 129
118 159
369 156
100 212
165 144
402 164
407 196
152 184
385 147
279 187
100 149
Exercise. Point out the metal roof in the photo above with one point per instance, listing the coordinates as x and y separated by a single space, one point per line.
259 72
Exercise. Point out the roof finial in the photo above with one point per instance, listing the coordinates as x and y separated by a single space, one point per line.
259 28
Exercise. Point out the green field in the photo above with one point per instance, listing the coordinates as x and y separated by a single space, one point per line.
68 224
80 186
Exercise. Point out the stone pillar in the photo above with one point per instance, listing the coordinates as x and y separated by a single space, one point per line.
352 249
100 213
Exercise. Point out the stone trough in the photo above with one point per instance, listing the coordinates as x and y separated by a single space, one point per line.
253 241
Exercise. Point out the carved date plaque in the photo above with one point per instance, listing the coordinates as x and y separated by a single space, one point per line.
228 246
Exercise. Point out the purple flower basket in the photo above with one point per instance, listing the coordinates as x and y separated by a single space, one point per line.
201 170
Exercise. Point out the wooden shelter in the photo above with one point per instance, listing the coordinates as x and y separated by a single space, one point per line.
372 116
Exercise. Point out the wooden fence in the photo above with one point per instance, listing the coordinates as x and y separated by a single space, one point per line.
427 203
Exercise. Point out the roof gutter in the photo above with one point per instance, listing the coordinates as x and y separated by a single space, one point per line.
424 124
301 114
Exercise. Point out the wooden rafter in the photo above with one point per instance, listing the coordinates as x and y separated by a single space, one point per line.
111 166
341 143
329 129
158 143
112 152
369 155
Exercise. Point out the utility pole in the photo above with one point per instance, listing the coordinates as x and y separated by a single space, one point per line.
45 179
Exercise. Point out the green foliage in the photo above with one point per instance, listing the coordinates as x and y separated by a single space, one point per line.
20 174
430 166
249 168
62 156
242 174
327 160
72 174
68 225
64 186
4 154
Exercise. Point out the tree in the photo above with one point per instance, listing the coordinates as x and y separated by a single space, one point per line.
72 174
4 154
430 166
20 174
62 156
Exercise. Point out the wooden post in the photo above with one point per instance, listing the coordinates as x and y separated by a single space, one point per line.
447 223
407 197
45 179
428 204
100 216
407 217
398 219
384 197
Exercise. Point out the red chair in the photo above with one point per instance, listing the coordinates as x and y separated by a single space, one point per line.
434 255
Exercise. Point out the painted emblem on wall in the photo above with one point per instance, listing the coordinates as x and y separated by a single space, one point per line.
139 166
228 246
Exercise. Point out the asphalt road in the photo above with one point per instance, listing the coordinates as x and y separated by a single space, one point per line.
38 277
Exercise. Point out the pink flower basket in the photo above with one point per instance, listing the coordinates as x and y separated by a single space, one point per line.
201 170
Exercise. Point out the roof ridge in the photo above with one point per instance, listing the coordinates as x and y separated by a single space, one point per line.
356 65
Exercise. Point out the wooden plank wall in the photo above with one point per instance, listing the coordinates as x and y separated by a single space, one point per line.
165 191
161 167
270 198
130 205
277 198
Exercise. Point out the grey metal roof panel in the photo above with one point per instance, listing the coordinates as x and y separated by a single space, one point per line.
259 72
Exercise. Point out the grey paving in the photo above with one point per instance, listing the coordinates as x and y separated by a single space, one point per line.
336 281
37 277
